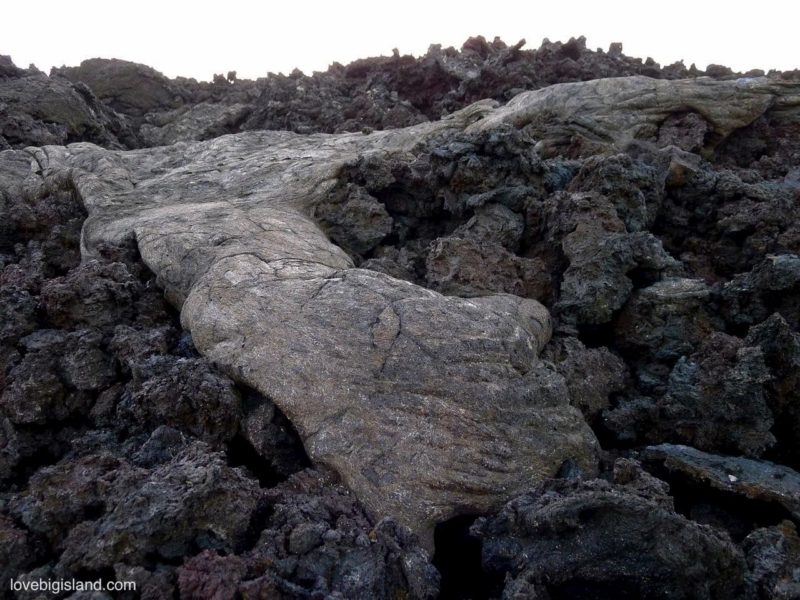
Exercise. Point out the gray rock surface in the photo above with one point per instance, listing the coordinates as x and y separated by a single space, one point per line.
753 479
627 108
200 122
127 87
36 109
427 406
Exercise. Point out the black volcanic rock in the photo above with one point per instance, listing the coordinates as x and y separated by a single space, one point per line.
36 110
780 346
773 555
140 106
379 304
194 501
760 481
317 543
576 538
128 88
715 399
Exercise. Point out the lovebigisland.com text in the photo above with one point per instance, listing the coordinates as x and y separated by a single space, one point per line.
59 586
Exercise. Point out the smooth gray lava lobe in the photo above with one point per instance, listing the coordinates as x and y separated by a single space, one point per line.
427 406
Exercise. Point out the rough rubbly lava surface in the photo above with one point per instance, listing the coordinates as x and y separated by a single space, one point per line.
486 323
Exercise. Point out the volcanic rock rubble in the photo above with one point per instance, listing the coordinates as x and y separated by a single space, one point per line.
487 323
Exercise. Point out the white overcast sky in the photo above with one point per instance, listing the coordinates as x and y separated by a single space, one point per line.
198 39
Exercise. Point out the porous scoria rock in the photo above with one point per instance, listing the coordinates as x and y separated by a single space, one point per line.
16 549
661 323
136 507
770 286
193 501
592 374
716 399
773 555
427 406
780 345
316 543
596 539
464 267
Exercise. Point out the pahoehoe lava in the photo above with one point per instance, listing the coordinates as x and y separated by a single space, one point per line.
487 323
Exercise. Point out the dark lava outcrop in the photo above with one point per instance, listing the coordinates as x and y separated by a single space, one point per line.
122 451
36 110
427 405
316 543
595 539
138 106
128 88
573 316
757 480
